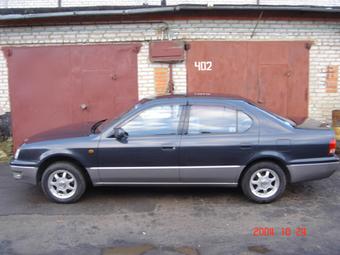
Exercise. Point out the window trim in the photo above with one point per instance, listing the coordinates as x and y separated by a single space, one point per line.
179 126
187 118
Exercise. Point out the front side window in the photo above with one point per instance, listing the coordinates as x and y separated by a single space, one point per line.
217 120
158 120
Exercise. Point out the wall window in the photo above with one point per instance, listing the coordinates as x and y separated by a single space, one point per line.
158 120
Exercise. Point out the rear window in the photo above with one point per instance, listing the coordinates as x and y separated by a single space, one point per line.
283 120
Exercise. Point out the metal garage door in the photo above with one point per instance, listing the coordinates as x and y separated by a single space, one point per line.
274 74
52 86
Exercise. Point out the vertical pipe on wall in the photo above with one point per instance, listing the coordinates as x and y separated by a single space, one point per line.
171 81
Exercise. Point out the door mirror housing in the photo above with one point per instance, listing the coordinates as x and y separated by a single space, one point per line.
120 133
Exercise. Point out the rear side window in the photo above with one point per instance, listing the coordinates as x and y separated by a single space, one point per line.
211 120
205 119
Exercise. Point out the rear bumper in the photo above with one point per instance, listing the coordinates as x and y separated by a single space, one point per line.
312 171
26 174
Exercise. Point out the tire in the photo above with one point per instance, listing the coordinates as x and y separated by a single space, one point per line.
63 182
271 184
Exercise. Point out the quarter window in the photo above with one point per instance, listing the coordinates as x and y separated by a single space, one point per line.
158 120
244 122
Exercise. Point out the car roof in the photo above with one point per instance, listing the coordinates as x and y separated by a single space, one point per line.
207 96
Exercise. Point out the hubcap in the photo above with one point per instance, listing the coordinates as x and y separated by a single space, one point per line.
264 183
62 184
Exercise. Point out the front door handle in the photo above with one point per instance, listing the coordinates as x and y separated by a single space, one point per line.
168 148
245 147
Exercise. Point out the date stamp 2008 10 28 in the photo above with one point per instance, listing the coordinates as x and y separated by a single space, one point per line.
282 231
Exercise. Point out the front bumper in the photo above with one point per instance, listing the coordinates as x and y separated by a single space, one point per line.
26 174
312 171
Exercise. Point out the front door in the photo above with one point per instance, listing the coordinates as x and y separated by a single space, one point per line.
150 151
218 141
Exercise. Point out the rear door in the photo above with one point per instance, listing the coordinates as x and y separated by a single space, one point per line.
218 141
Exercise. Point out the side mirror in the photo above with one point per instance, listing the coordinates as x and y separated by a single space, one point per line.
120 133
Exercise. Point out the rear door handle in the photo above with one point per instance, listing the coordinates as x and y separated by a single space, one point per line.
168 148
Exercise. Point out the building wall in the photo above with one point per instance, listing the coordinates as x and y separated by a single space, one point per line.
68 3
324 52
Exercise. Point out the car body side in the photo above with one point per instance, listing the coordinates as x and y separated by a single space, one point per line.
302 153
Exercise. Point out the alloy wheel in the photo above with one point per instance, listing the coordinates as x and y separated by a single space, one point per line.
264 183
62 184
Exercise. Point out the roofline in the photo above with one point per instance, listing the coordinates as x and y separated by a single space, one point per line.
200 95
20 14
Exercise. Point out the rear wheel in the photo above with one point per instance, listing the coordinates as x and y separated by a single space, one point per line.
63 182
264 182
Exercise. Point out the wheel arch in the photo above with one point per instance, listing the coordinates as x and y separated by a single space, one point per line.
277 160
61 158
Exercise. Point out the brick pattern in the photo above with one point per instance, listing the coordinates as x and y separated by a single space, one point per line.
146 79
69 3
28 3
302 2
4 95
324 52
262 2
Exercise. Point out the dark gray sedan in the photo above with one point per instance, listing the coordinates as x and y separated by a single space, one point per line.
179 140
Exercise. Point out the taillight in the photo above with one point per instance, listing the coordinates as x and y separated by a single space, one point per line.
332 146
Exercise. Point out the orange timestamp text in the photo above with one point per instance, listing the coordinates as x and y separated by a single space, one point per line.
281 231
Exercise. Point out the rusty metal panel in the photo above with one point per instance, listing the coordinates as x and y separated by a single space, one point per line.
166 51
217 67
298 78
273 88
274 74
49 84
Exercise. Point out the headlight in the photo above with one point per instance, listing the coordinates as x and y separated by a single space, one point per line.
16 155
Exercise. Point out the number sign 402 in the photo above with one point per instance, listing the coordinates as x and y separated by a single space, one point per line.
203 65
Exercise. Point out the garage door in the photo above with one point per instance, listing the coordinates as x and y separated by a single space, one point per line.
52 86
273 74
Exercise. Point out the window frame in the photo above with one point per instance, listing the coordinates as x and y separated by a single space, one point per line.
179 130
187 119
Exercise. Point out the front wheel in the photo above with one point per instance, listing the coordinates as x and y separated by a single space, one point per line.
63 182
264 182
